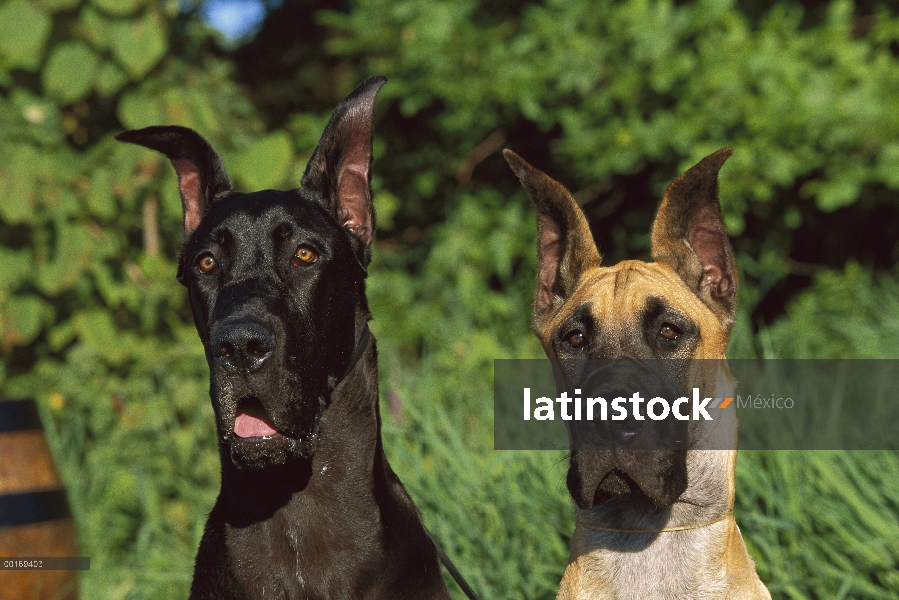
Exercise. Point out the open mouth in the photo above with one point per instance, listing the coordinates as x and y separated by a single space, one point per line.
256 442
251 420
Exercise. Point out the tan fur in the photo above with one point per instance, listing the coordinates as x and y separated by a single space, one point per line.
706 562
708 559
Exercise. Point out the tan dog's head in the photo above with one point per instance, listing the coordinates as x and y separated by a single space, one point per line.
681 306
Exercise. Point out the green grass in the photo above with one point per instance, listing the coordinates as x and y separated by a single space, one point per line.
819 524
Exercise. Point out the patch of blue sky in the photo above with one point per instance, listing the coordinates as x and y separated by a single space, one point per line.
234 18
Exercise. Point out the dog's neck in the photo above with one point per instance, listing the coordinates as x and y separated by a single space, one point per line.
619 541
660 553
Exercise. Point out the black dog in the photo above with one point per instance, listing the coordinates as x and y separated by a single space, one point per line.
309 507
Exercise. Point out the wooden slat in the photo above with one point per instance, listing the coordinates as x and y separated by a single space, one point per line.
25 463
53 538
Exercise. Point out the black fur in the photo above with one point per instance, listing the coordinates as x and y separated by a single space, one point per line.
314 509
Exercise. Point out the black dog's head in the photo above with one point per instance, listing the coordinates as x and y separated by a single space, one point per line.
652 319
276 280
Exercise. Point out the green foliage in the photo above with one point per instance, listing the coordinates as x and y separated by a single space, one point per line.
23 32
138 45
844 314
637 81
69 71
617 88
264 163
613 99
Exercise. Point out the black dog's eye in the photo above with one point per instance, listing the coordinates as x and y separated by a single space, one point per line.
576 339
206 264
304 256
669 332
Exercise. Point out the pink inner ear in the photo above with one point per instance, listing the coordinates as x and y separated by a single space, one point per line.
192 200
709 242
354 193
549 258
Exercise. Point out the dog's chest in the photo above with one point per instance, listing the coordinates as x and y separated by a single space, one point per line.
269 562
291 556
671 565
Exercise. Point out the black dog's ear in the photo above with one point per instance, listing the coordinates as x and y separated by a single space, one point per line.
565 247
340 167
201 174
688 235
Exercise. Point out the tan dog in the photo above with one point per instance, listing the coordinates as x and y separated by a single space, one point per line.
651 524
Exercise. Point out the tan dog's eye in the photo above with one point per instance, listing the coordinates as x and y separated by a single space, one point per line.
304 256
669 332
576 339
207 264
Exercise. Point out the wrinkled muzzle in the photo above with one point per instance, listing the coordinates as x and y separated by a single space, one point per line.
622 450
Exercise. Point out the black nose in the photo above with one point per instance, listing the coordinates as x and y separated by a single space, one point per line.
608 433
243 346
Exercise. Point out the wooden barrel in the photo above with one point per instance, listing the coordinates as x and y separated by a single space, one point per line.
34 513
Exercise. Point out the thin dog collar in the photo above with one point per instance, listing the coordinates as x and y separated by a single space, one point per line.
723 517
363 343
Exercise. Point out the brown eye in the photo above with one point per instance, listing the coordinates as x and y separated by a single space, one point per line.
669 332
207 264
304 256
576 339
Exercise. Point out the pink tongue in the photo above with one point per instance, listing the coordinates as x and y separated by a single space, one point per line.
246 425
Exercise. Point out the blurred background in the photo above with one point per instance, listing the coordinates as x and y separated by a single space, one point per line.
614 99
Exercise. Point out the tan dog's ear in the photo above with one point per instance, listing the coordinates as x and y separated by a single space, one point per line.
565 247
688 235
